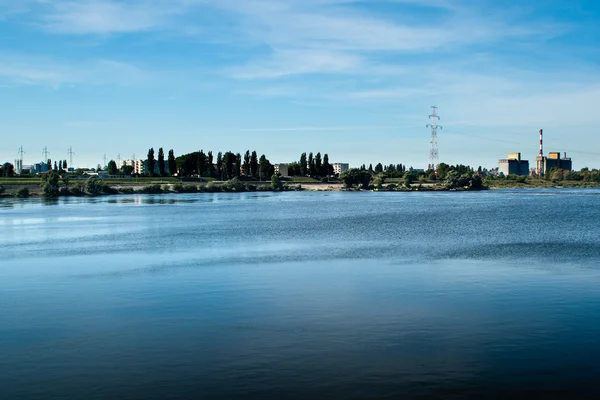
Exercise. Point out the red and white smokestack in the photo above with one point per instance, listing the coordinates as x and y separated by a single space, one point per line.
541 142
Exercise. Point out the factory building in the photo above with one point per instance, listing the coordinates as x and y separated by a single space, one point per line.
513 165
545 164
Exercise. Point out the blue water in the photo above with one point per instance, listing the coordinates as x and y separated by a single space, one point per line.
301 295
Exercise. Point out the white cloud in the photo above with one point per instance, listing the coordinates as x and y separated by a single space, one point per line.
293 62
43 71
104 17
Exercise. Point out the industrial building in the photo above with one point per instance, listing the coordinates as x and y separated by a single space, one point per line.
513 165
544 164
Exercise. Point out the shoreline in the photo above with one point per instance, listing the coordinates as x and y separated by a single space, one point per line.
11 191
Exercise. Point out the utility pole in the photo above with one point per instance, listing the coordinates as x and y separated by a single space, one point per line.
433 151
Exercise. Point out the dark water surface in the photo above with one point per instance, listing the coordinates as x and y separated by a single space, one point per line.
302 295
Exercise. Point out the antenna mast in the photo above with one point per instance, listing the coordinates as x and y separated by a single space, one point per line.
434 152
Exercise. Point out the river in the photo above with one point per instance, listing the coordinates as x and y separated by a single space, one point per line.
302 295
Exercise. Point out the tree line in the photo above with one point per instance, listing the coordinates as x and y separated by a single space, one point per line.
225 166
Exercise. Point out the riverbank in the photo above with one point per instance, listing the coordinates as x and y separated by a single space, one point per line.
31 187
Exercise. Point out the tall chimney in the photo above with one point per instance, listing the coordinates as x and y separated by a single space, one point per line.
541 142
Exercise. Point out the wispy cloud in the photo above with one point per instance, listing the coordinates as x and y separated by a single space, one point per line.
44 71
105 17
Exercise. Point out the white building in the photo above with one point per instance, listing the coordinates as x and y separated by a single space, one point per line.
282 169
339 168
139 167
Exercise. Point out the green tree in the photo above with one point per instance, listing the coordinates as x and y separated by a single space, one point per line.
318 165
151 162
112 167
356 177
50 186
126 169
442 170
209 167
8 170
60 167
172 163
327 168
311 164
65 167
228 164
238 165
378 168
371 169
94 186
254 164
247 163
220 165
409 179
264 167
379 180
161 162
276 183
55 166
303 165
202 167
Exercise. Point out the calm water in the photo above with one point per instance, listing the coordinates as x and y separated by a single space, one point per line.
301 295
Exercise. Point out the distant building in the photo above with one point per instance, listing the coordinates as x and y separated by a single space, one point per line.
139 167
282 169
513 165
18 166
41 168
340 168
544 164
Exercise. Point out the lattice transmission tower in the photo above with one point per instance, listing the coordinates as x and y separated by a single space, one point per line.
434 154
71 154
45 152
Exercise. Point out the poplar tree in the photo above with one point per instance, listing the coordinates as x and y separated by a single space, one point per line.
161 162
151 162
220 165
210 168
247 163
172 163
254 164
303 165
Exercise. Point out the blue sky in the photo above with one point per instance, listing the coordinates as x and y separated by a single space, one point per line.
354 79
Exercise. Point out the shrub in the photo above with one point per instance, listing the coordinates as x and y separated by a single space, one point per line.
106 189
235 185
276 183
94 186
78 190
151 189
50 186
127 191
23 192
1 189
